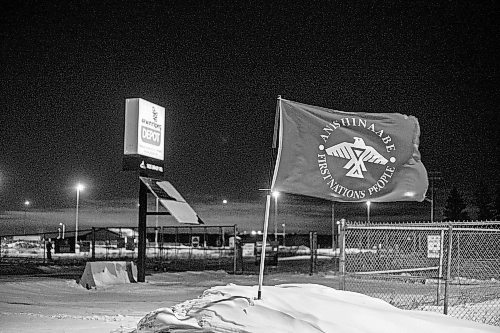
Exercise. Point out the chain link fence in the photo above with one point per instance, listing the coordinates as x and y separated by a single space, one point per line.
451 268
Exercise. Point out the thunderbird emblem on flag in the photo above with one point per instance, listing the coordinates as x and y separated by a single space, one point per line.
357 153
348 156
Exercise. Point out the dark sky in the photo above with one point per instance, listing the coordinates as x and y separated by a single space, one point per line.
217 68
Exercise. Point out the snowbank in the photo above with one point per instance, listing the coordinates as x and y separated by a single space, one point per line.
297 308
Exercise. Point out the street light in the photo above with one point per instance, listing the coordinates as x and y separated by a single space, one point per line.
368 204
26 205
79 187
276 195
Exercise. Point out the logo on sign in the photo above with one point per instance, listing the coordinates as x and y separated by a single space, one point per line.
149 166
150 135
155 115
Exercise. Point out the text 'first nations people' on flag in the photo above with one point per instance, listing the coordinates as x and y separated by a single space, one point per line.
348 156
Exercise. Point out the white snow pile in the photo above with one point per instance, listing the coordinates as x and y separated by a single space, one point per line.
296 308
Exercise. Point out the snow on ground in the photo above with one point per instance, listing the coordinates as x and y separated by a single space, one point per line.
305 308
290 303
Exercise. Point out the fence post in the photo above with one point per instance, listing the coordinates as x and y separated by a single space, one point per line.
190 246
342 255
44 247
448 269
311 246
161 244
235 250
440 271
458 254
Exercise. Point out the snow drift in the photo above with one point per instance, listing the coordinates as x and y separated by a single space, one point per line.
295 308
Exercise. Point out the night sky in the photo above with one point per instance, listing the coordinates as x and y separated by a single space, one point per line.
217 68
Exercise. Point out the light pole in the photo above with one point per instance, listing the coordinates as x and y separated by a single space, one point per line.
368 204
432 207
26 205
283 225
79 187
63 226
276 195
433 175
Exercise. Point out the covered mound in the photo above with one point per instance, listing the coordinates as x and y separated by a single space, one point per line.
297 308
104 273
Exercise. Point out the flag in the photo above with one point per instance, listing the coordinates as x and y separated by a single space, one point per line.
348 156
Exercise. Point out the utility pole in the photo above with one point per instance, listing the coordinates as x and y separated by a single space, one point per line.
433 176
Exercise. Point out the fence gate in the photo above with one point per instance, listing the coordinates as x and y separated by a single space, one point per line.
451 268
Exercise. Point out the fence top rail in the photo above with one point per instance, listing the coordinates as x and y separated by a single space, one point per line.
426 223
471 225
394 227
423 228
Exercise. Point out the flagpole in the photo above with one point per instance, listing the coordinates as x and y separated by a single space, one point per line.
276 122
263 252
276 139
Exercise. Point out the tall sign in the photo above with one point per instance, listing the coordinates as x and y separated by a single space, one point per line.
144 151
144 139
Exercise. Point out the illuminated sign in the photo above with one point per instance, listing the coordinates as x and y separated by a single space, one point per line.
144 129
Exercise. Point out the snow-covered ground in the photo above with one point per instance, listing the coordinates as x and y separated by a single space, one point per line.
290 303
297 308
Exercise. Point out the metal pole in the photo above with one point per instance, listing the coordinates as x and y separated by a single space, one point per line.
433 175
276 218
432 207
24 221
93 243
63 228
156 227
342 255
440 272
76 220
141 250
448 270
190 246
44 247
235 249
284 234
368 203
333 227
161 242
263 252
458 254
311 246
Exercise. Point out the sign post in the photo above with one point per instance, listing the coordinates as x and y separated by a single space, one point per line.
141 250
